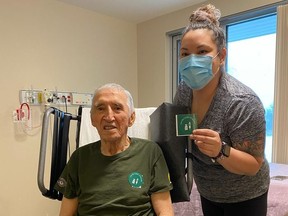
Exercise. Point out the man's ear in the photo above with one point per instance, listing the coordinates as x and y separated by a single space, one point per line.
132 119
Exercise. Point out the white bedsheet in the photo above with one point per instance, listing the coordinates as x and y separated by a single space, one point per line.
278 191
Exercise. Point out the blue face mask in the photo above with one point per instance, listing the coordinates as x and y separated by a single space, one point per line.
196 70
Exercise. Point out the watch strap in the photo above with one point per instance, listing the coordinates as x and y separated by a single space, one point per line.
221 155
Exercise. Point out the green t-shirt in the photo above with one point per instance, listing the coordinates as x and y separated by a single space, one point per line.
115 185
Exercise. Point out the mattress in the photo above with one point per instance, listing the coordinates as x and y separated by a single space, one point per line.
277 195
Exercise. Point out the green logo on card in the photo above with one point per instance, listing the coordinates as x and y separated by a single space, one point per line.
185 124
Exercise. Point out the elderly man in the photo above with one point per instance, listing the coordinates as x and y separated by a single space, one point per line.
117 175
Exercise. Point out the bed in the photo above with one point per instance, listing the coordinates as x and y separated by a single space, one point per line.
277 195
278 191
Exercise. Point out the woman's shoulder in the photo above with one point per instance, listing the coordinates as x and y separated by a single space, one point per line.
237 97
235 87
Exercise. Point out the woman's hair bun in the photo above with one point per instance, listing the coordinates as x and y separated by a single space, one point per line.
207 13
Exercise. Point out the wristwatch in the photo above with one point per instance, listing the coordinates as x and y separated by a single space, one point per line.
224 152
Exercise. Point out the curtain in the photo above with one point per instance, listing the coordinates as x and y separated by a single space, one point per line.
280 133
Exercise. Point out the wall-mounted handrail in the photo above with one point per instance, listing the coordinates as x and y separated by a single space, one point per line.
60 141
42 155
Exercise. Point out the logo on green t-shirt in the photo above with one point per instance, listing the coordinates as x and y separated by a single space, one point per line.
135 179
61 182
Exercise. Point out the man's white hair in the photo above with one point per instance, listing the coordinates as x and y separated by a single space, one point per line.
118 87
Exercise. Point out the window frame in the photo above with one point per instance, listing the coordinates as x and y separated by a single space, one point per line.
175 81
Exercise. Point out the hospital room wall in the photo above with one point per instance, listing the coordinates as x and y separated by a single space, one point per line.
53 45
50 44
154 69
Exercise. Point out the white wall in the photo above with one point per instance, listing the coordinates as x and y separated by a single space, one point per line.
49 44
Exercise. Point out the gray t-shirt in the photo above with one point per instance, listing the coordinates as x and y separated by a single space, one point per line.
237 114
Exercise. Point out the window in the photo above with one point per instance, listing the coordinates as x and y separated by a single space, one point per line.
251 59
251 44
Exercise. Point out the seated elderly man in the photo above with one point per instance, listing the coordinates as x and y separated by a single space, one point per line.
117 175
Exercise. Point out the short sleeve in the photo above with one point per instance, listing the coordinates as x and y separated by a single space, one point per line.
245 120
160 175
67 181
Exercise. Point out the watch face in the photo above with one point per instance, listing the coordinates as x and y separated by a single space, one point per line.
226 149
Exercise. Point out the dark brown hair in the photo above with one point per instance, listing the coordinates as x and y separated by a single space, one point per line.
207 17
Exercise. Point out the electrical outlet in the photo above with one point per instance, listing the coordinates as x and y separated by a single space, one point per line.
63 98
81 99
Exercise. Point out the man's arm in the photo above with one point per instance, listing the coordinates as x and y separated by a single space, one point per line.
162 204
68 207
